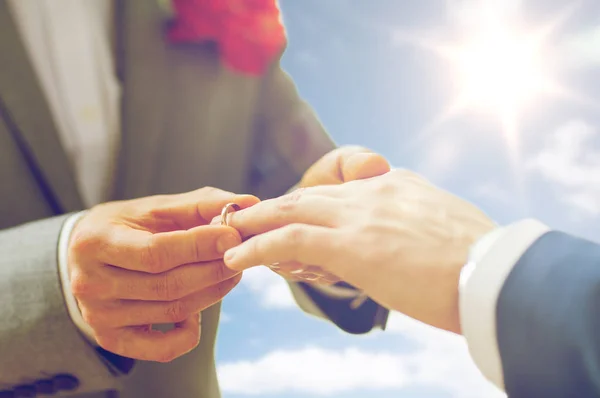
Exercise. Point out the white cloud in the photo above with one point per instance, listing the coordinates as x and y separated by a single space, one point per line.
314 370
271 290
441 361
570 160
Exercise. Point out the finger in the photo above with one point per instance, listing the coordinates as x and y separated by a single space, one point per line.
167 286
145 344
306 244
297 207
360 166
143 251
135 312
198 207
331 167
329 191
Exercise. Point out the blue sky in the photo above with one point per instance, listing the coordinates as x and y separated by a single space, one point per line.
356 63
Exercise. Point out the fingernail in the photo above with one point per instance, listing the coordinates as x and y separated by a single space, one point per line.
216 221
226 242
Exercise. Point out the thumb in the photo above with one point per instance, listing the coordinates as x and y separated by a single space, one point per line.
197 207
364 165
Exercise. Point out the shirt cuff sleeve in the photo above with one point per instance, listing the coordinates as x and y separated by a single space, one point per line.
490 261
63 252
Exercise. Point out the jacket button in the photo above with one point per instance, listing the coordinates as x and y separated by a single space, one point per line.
45 387
65 382
7 394
24 391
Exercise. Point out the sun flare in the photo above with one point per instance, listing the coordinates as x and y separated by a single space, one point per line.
499 71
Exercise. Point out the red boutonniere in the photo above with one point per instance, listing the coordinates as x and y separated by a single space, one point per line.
249 33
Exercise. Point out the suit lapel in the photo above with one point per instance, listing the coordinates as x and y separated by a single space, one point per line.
142 67
26 111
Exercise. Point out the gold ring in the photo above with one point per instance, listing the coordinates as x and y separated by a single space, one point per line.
226 211
274 266
298 271
310 277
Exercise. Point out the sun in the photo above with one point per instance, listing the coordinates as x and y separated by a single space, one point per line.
504 68
499 71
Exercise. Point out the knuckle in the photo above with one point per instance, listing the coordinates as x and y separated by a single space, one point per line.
108 341
174 287
94 317
160 288
218 272
82 286
149 256
377 213
87 285
177 311
385 186
210 192
166 357
289 202
168 287
295 235
84 240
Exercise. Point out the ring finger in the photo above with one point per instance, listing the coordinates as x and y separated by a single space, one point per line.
296 207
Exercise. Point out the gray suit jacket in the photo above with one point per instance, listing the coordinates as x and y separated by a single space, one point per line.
548 320
187 123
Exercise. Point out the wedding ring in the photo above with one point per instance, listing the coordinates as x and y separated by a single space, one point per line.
298 271
310 277
226 210
274 266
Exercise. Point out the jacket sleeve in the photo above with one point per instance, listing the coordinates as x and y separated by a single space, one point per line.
291 139
40 346
545 314
549 320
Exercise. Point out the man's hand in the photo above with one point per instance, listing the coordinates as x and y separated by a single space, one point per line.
150 261
398 238
345 164
341 165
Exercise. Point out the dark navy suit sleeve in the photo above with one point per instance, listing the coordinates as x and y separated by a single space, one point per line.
363 319
548 320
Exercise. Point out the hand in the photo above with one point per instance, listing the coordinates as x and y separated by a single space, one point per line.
150 261
347 163
343 164
397 237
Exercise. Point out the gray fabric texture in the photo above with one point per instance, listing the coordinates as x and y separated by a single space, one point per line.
187 122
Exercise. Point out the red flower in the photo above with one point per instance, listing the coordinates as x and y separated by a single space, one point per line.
249 33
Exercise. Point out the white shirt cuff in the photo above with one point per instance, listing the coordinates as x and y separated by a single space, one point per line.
63 257
490 262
